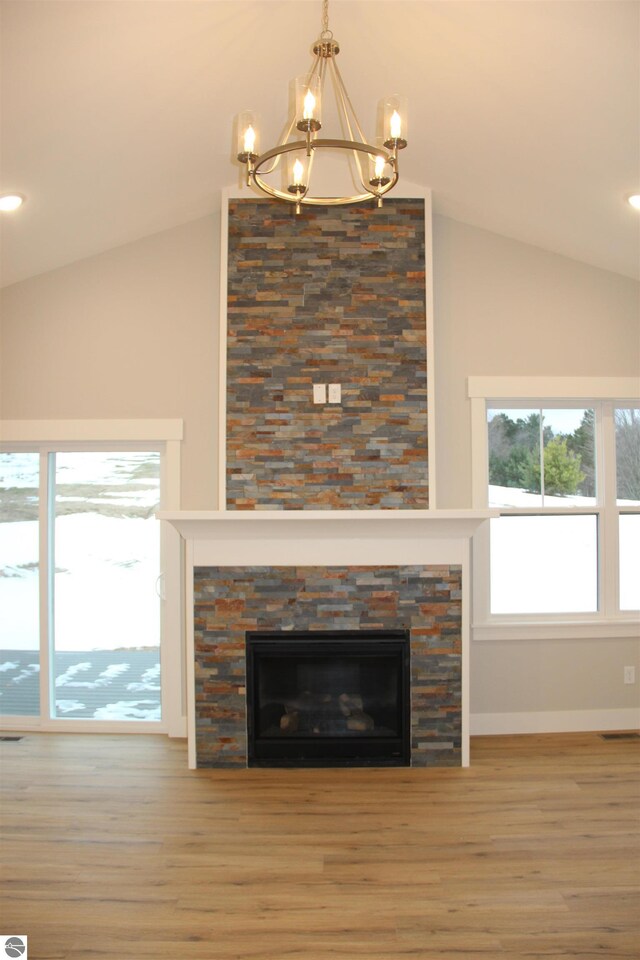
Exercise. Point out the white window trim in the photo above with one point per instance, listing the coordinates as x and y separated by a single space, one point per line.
48 436
608 622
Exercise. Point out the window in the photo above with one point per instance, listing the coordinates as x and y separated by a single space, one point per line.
565 475
542 460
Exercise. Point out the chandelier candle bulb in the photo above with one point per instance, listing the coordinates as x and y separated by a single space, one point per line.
308 98
394 111
298 170
309 104
297 174
249 139
377 175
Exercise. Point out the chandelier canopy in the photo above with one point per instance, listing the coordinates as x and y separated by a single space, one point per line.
374 166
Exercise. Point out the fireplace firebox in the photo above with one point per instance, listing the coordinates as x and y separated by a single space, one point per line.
328 698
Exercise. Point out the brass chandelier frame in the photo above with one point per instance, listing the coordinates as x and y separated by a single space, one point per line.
375 187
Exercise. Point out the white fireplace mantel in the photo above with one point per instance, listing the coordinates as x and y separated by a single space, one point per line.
213 526
327 537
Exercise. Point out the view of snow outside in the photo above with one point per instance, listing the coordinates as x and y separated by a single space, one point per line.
544 564
105 597
549 564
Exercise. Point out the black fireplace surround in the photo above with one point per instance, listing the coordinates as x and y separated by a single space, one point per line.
328 698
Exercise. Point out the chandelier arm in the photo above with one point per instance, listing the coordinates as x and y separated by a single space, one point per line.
283 140
316 67
343 100
346 100
309 169
276 161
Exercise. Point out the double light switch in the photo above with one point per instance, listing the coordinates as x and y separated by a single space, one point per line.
327 393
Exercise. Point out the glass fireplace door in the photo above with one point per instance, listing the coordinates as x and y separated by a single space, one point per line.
341 696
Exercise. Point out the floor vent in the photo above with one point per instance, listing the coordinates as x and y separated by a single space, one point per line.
620 736
10 739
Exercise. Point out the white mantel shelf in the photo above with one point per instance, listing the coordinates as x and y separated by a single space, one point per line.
196 525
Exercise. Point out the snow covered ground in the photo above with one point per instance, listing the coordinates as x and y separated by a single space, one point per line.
105 583
548 564
106 559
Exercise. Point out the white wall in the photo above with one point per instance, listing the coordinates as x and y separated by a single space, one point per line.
506 308
133 333
128 333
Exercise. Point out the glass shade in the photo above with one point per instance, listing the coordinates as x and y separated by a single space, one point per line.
395 113
247 134
308 103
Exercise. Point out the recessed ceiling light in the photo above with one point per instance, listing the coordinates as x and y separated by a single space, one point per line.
10 201
634 200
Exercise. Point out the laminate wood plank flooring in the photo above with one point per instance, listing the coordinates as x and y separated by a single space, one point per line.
113 850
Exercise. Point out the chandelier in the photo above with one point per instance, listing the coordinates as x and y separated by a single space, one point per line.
375 166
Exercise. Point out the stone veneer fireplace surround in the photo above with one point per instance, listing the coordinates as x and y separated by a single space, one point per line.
316 495
328 296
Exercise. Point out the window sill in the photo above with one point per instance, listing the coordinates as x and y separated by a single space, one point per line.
558 630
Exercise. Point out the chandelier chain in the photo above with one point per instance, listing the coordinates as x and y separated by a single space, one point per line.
326 34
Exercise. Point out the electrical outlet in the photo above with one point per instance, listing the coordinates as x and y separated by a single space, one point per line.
335 393
629 674
319 393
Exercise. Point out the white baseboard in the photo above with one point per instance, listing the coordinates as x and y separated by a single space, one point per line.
178 729
559 721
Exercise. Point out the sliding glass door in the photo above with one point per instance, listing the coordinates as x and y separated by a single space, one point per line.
100 642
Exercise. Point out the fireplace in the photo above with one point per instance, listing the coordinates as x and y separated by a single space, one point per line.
293 571
328 698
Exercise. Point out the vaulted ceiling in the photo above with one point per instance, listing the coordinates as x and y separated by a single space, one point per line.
117 114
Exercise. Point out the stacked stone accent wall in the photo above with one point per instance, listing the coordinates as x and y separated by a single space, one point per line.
328 296
229 601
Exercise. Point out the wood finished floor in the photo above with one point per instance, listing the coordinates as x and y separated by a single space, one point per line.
113 849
